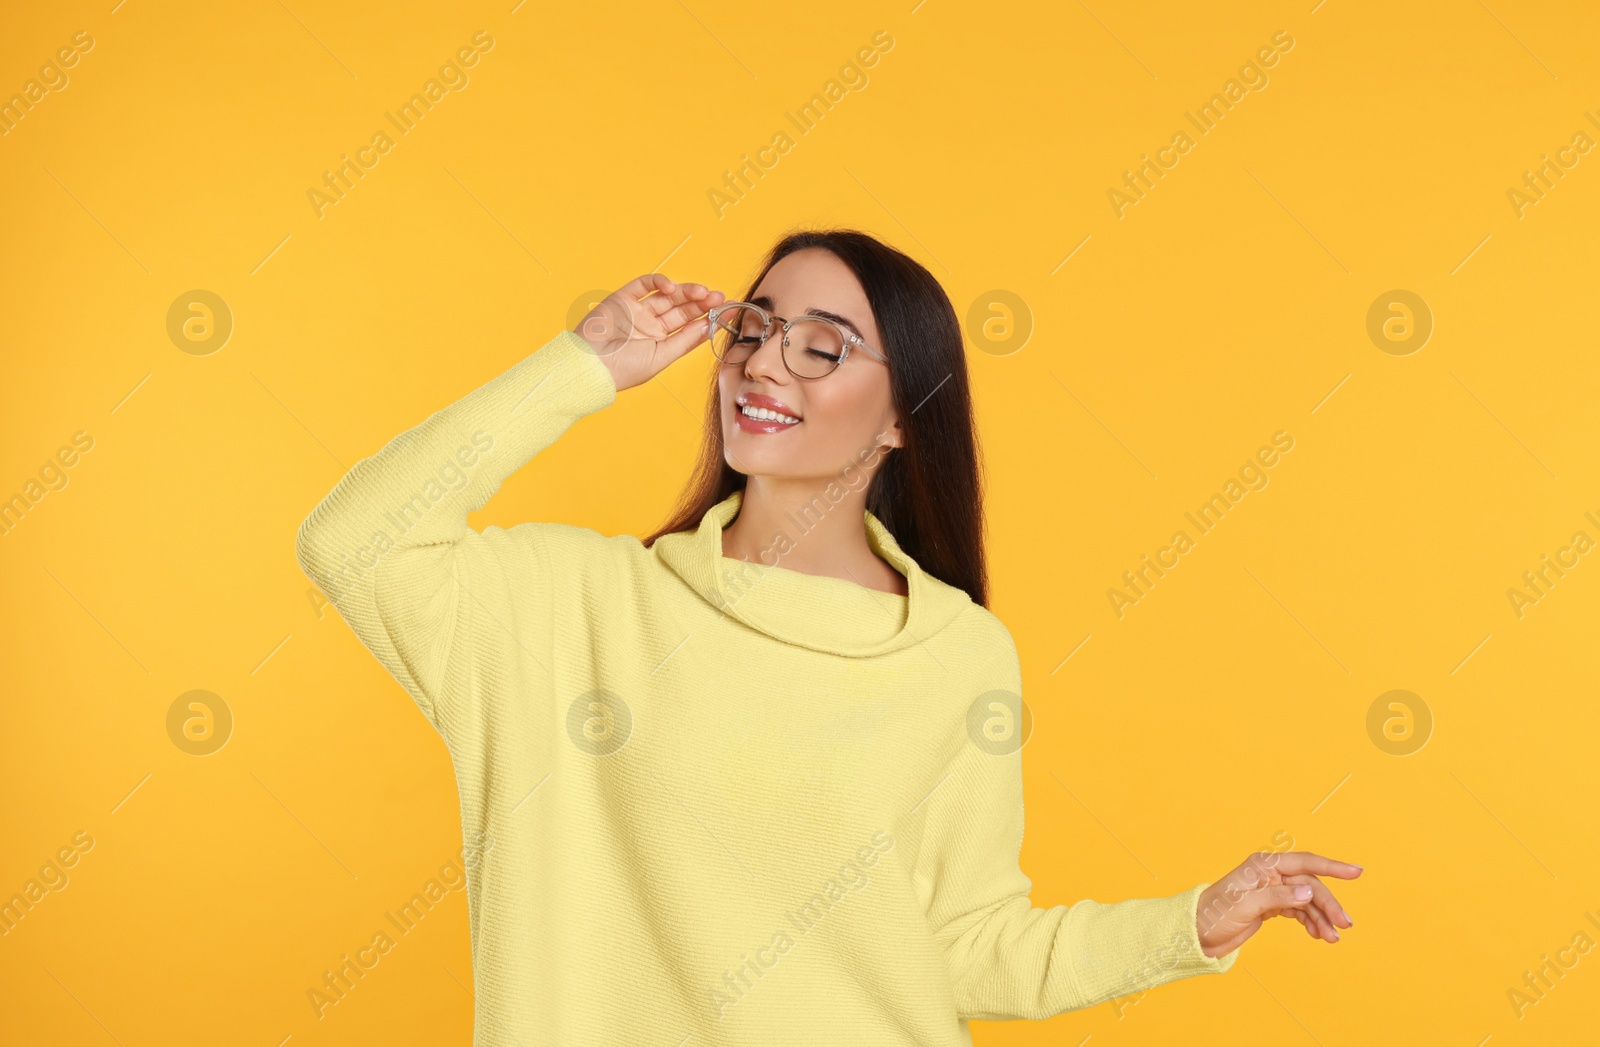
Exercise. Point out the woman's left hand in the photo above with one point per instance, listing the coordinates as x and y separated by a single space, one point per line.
1269 884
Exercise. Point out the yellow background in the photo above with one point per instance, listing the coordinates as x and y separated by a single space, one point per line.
1228 708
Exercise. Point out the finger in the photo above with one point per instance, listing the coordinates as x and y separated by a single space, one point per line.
1319 920
1264 902
680 295
679 344
1329 906
1322 907
1323 900
692 291
1312 921
1291 863
640 286
689 311
663 300
677 292
704 295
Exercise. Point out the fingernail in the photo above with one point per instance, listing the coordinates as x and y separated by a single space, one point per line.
1302 893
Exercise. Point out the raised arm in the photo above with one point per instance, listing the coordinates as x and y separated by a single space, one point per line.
390 544
450 612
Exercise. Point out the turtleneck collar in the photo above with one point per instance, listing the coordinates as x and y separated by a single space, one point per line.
815 611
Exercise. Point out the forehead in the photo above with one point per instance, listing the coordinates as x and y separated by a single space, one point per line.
815 280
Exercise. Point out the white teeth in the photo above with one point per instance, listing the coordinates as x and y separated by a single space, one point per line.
764 415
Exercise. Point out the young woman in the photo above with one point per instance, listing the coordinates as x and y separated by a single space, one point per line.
755 779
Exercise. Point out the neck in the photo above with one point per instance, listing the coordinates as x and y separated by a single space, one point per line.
792 524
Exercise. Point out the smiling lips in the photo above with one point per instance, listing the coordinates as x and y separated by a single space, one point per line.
755 413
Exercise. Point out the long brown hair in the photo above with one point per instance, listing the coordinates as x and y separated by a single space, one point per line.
928 491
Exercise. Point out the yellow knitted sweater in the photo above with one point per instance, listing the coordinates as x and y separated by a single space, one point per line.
728 803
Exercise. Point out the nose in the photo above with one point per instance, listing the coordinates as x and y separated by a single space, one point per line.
767 361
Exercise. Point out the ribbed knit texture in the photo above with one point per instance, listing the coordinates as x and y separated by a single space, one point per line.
725 804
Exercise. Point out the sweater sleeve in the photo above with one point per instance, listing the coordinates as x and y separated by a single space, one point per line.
450 611
1008 959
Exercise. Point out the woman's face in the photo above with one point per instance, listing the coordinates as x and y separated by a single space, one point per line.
847 419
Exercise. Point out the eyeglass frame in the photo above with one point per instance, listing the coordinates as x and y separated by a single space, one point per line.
850 338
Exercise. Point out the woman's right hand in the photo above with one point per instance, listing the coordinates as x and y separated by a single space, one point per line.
631 329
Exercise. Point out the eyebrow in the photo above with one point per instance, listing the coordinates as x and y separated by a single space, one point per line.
765 302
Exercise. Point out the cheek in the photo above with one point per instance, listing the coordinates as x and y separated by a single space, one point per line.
847 422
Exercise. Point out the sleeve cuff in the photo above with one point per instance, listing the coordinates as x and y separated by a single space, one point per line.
1191 958
1171 946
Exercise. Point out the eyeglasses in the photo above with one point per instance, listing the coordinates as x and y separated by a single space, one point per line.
812 346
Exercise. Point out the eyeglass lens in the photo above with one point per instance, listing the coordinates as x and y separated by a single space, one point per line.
814 348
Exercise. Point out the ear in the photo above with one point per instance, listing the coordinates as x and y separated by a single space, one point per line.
895 436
